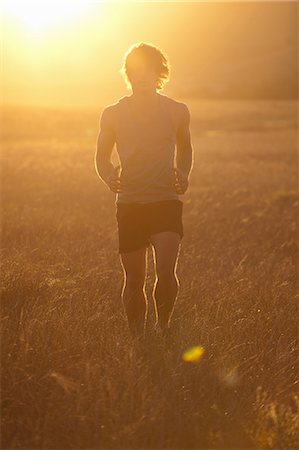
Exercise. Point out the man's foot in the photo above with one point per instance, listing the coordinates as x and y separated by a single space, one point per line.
168 336
164 329
136 331
163 321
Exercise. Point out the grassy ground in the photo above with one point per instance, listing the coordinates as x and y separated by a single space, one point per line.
71 375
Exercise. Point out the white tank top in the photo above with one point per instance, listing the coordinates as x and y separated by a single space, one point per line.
146 150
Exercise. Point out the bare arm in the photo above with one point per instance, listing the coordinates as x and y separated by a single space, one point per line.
184 158
104 147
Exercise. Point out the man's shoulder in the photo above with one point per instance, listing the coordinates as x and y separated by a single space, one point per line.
108 111
111 112
112 108
172 101
178 109
175 104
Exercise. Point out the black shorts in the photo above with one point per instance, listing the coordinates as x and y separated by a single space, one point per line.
137 221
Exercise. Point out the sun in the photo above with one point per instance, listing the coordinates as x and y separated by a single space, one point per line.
40 15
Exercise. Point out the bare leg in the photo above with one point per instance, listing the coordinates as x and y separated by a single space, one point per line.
166 249
136 306
165 292
133 292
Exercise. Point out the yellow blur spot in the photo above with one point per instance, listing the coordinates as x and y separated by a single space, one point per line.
193 354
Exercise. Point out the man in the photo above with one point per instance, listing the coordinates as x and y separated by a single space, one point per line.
146 127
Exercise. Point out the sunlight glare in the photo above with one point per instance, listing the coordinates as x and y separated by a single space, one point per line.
39 16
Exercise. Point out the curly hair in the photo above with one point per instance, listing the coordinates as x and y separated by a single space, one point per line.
152 56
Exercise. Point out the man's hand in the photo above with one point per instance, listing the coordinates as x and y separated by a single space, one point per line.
113 180
181 181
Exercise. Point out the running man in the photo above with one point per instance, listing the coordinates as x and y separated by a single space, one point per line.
147 127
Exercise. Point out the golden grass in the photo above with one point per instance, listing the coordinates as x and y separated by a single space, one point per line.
71 375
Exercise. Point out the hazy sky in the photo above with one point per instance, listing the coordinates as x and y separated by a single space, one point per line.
60 55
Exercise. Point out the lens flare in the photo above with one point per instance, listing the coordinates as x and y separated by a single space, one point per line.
193 354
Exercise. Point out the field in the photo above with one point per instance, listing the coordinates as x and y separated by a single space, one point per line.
72 377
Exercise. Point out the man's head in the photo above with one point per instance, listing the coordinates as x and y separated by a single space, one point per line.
145 67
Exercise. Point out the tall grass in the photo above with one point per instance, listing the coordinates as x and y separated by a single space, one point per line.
72 377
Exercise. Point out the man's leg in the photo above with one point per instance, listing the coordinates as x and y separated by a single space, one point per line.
133 294
166 250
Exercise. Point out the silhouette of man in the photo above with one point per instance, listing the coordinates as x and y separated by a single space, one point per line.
147 127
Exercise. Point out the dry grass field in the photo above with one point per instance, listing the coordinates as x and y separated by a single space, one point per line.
72 377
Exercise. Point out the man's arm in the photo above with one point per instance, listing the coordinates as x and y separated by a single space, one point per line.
184 156
104 146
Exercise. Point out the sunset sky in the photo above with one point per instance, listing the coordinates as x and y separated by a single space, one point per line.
69 53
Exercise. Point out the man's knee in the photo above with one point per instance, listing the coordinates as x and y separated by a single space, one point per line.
167 275
135 283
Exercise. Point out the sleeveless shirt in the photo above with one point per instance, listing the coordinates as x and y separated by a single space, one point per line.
146 151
